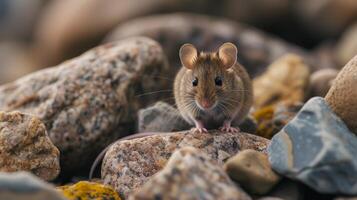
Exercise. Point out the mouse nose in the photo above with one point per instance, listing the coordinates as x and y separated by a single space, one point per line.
206 103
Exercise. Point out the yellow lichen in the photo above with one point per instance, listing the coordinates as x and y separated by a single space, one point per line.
85 190
264 118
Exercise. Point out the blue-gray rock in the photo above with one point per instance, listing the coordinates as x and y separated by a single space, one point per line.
318 149
25 186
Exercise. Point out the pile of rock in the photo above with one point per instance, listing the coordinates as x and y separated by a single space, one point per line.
68 113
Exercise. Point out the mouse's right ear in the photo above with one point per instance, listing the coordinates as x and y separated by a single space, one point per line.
188 54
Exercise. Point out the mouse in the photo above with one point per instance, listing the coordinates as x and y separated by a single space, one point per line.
212 90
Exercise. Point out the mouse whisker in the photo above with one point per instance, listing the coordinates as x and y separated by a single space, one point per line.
154 92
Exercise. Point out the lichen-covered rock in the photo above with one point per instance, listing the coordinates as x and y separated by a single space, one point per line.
25 146
190 174
88 102
25 186
318 149
286 79
343 94
129 164
161 117
252 170
346 47
256 49
85 190
321 81
271 119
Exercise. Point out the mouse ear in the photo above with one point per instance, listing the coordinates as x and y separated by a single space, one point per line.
228 54
188 54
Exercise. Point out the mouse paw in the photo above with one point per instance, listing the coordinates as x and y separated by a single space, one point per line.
199 130
229 129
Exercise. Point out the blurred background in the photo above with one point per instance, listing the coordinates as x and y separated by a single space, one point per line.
35 34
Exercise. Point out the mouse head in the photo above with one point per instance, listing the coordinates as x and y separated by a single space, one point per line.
210 74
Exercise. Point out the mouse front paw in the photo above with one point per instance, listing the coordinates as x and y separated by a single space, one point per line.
228 128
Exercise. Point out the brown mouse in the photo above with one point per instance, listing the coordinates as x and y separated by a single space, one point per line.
212 89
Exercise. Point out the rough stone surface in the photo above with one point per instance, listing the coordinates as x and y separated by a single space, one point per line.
84 102
286 79
89 190
343 94
25 186
289 190
25 146
252 170
256 50
190 174
161 117
346 198
347 45
271 119
321 81
317 149
129 164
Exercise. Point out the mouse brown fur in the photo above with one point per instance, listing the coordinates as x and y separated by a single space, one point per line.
212 89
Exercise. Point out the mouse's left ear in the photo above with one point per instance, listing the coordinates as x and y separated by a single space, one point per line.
228 54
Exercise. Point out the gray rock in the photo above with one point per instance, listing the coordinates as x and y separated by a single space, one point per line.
88 102
161 117
25 186
25 146
318 149
128 164
190 174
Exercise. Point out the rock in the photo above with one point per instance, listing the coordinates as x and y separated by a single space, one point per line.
321 81
343 94
129 164
88 102
252 170
270 198
271 119
317 149
346 47
346 198
25 186
286 79
325 18
190 174
88 190
161 117
25 146
256 50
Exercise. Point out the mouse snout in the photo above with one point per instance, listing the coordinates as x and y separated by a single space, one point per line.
206 104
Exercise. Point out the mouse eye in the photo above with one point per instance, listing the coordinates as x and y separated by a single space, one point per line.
218 81
195 81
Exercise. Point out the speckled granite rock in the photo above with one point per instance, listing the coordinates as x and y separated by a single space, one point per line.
25 186
84 102
188 175
25 146
252 170
161 117
129 164
343 94
317 149
286 79
256 49
89 190
321 81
